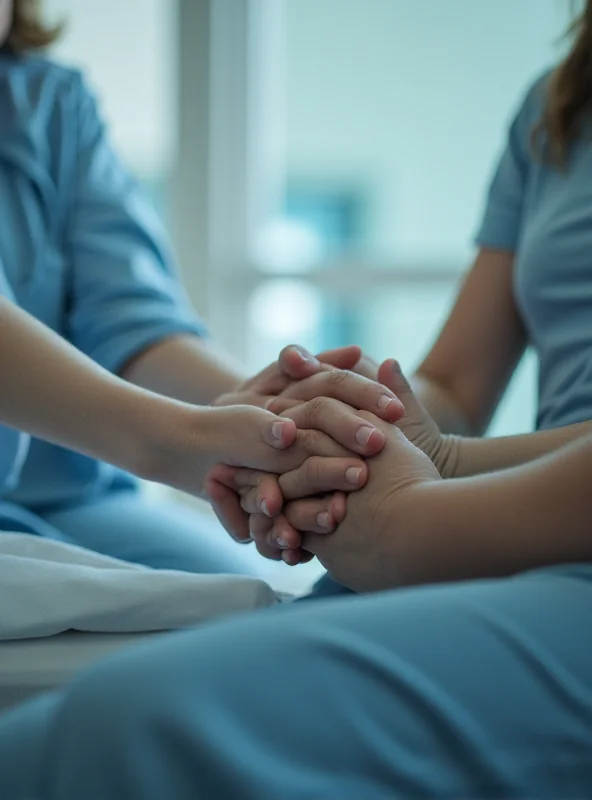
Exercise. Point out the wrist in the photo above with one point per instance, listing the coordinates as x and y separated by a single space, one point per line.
149 433
446 455
416 533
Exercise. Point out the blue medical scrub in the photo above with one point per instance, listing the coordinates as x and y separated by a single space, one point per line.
471 690
82 251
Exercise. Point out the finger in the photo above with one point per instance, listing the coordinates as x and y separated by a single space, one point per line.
260 527
226 505
339 421
277 405
319 515
284 535
391 375
355 390
319 475
341 357
278 434
297 362
294 557
272 537
260 492
265 499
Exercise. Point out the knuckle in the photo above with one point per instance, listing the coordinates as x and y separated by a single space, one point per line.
310 441
313 471
337 376
316 406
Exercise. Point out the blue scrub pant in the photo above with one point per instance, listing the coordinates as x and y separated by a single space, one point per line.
163 535
463 691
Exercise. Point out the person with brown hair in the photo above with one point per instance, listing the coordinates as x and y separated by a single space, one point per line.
476 686
530 286
83 253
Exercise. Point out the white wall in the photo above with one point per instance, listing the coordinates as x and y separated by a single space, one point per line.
410 98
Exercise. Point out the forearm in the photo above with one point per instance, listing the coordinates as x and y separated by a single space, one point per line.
440 405
463 457
50 390
499 524
184 367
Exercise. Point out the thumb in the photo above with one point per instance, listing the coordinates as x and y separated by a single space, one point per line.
390 375
296 362
278 432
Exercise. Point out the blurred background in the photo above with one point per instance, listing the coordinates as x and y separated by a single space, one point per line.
321 164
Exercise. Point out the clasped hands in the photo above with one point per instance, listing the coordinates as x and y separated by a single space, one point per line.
302 513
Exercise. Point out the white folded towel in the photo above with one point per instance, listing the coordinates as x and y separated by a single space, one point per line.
47 587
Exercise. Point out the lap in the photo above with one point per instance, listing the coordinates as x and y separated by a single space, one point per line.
478 689
166 535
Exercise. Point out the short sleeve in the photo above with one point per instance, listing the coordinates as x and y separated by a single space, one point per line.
125 294
502 219
14 445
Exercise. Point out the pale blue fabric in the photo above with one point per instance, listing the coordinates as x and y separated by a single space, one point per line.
478 690
544 216
82 251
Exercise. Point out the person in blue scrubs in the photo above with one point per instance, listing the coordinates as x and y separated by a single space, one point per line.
476 686
82 251
468 673
530 286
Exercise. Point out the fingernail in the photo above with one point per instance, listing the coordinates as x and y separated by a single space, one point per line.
277 430
363 435
323 519
384 401
306 356
264 508
282 542
352 475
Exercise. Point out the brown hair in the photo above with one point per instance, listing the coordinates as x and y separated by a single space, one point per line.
28 32
569 95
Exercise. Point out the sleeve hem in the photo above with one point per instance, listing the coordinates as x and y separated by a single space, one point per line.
115 355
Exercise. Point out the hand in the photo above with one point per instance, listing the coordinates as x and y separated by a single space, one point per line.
293 364
313 507
333 418
416 424
261 496
187 441
372 543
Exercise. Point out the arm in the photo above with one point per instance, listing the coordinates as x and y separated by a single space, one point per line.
189 368
522 518
461 456
463 378
466 457
50 390
421 529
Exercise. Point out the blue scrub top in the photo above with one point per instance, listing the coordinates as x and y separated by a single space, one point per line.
81 250
544 216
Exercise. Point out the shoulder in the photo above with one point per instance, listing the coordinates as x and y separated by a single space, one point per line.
40 80
532 102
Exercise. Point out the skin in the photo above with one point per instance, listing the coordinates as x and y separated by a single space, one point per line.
195 372
54 392
455 391
419 528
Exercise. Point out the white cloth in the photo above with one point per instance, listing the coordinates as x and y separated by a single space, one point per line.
47 587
